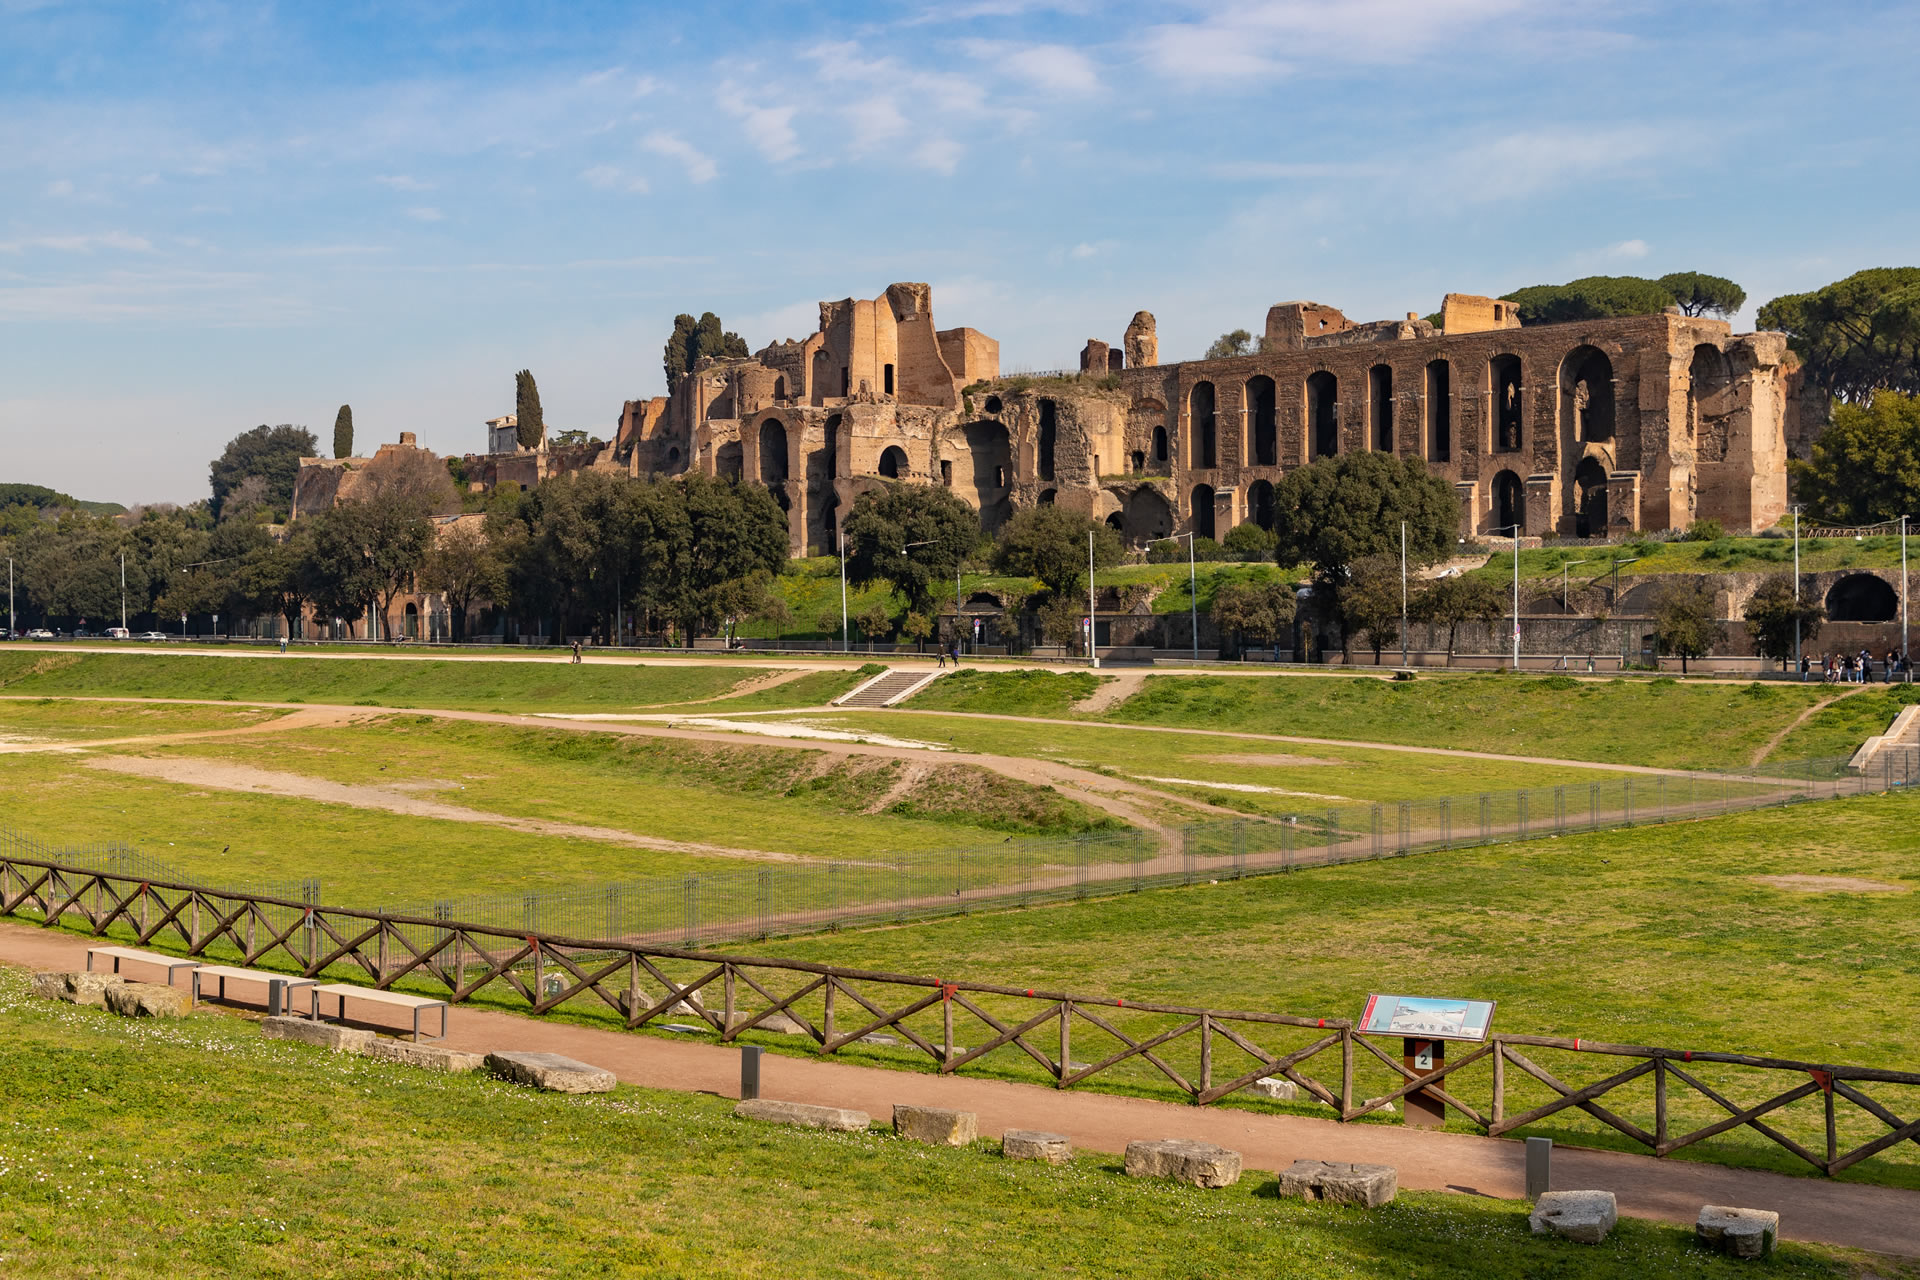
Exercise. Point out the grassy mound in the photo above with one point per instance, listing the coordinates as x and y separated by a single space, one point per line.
1012 693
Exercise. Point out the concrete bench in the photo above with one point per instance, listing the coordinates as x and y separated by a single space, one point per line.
225 973
129 955
343 992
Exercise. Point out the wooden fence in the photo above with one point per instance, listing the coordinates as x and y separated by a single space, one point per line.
1820 1112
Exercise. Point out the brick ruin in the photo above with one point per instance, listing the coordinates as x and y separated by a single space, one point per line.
1586 429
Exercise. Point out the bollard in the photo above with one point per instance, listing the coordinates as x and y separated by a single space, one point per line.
276 997
1539 1157
749 1072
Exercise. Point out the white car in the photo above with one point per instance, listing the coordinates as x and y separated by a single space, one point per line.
119 633
152 635
39 633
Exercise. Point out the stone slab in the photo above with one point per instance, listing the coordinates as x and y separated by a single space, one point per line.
322 1035
148 1000
429 1056
1366 1185
1583 1216
777 1023
1738 1233
936 1125
1199 1164
551 1071
75 988
1274 1089
1032 1144
805 1115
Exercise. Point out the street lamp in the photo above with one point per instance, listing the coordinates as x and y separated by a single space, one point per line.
1516 595
1193 594
1799 666
1403 594
1614 602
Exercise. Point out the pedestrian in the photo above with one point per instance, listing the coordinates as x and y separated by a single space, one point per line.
941 654
576 651
956 653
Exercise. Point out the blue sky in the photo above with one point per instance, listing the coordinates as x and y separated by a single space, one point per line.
223 214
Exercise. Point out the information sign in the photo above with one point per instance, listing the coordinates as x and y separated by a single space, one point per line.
1427 1017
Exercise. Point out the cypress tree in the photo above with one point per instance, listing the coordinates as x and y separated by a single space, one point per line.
532 427
343 432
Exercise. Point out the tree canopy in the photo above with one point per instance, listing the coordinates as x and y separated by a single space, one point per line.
530 423
1333 511
271 453
343 432
1858 335
885 523
1683 620
1771 615
1699 294
1592 298
1259 612
1449 602
1050 543
1865 467
1237 343
693 339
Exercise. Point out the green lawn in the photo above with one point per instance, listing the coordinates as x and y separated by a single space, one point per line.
138 1149
1724 555
64 720
1020 693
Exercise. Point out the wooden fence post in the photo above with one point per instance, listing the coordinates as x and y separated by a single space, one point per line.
1659 1103
1066 1039
1499 1081
1206 1052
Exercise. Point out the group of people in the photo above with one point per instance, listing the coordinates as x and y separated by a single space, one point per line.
1839 668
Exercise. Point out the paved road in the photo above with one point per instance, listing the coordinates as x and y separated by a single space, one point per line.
1882 1219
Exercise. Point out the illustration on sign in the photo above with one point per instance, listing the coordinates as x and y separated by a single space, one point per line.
1440 1019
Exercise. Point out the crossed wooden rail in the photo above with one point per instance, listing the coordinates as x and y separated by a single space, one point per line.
840 1008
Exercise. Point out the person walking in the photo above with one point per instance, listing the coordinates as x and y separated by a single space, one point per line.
941 655
956 654
576 651
1866 665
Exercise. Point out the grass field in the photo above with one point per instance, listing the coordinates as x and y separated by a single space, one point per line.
64 720
197 1148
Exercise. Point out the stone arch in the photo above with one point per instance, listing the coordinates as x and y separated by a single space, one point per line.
893 463
1862 597
1203 427
1380 405
1506 404
411 621
1590 496
1260 504
1047 496
1439 411
1118 523
1509 505
1049 434
727 462
1262 439
1586 396
773 453
1323 414
1148 515
1202 511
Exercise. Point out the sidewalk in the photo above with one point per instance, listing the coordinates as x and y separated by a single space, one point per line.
1881 1219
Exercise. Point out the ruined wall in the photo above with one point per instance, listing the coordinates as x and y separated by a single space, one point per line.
970 354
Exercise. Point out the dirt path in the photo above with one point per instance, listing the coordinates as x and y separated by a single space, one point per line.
1116 689
1882 1219
1773 743
303 718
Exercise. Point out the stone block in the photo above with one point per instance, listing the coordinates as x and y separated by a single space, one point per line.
1366 1185
1200 1164
430 1056
75 988
1583 1216
777 1023
147 1000
551 1071
1274 1089
805 1115
1738 1233
321 1035
937 1125
1031 1144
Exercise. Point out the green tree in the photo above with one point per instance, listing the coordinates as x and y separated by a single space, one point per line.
875 622
1333 511
1059 622
692 339
1683 621
1449 602
1591 298
1367 602
464 566
1260 612
1227 345
530 424
343 432
367 552
1248 541
699 534
1866 465
1699 294
1858 335
1772 614
882 531
271 453
1050 543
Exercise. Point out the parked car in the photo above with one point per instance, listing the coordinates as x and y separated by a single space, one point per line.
152 635
119 633
6 634
39 633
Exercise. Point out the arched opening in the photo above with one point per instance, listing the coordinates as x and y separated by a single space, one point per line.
1203 511
1262 422
727 462
991 449
1138 458
1260 503
1203 427
1586 395
1439 411
893 463
1507 404
1380 400
1049 429
1047 496
1160 445
1509 505
773 453
1323 413
1117 522
1590 489
1709 401
993 404
1862 597
412 620
1148 515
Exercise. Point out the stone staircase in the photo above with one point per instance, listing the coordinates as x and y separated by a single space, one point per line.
887 688
1895 753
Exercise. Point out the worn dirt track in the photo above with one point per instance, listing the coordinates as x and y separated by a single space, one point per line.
1882 1219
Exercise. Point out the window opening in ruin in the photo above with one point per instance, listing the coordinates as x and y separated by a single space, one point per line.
1323 413
1048 432
413 621
1439 411
946 472
1204 427
1160 444
893 463
1139 460
1509 505
1586 395
727 462
1262 422
673 454
1380 393
993 404
1203 511
1260 503
1709 379
990 451
846 382
1862 597
1047 496
886 378
1503 378
1149 516
773 453
1590 487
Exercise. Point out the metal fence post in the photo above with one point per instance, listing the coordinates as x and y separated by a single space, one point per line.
1406 825
1186 852
1593 808
1486 817
1559 810
1626 789
1521 808
1374 821
1446 821
1333 834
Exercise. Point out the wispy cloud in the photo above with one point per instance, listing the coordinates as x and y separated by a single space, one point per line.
426 213
607 177
402 182
769 129
1627 249
700 167
120 240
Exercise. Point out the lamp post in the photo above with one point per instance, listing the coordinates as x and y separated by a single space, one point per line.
840 536
1516 595
1799 669
123 590
1093 624
1403 593
13 625
1193 594
1903 597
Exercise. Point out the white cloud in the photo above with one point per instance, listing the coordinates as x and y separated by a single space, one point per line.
768 129
1628 249
1053 68
874 121
60 188
1082 250
426 213
120 240
942 155
402 182
606 177
700 166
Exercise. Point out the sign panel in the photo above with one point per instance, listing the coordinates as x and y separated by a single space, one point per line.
1428 1016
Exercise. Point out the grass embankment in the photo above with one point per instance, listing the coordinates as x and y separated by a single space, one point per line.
1722 555
63 720
196 1148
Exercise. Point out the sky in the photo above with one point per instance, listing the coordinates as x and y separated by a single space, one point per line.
219 215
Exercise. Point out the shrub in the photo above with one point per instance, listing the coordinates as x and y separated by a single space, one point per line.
1704 531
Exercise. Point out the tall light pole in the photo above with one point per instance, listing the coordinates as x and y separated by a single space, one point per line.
1093 625
1193 595
1903 597
1516 596
1403 593
13 626
123 590
1798 668
840 536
